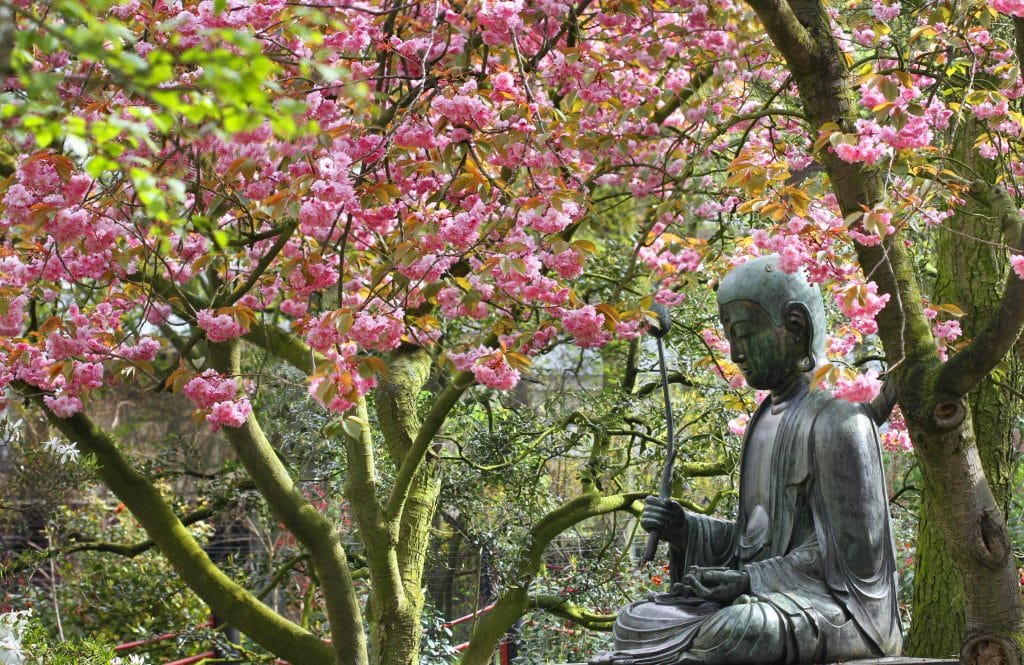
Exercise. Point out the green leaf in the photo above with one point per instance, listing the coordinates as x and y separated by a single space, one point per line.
98 165
354 426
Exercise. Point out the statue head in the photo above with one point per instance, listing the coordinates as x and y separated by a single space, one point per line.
775 321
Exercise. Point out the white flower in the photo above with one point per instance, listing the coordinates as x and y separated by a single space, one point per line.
134 659
12 627
67 452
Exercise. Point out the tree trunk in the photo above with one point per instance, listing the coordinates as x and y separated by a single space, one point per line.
977 539
395 636
937 415
395 627
403 647
971 262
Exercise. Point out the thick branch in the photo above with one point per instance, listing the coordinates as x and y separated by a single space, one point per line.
562 607
300 517
380 536
283 345
786 30
442 405
968 367
514 601
822 77
223 595
396 396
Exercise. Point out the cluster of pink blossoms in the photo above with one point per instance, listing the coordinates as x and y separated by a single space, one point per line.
1017 263
218 396
861 388
738 425
587 326
219 327
946 331
666 255
861 303
490 367
1011 7
910 124
895 437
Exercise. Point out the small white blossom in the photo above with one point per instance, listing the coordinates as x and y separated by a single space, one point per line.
134 659
12 626
67 452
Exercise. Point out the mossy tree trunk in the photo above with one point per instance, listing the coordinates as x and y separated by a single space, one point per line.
931 393
396 532
970 264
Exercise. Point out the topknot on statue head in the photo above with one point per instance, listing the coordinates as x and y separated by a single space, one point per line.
762 281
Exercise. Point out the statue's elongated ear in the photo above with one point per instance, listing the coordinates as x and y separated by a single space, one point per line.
798 321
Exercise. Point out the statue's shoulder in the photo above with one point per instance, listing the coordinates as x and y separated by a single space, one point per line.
838 409
839 421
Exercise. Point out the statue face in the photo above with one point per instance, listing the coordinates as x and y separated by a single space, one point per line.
767 354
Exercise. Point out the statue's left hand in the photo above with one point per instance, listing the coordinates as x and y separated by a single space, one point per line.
724 586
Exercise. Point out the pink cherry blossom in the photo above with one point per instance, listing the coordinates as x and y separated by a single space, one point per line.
229 413
219 327
1011 7
894 436
144 351
210 387
1017 263
586 325
63 405
378 332
494 371
738 425
861 303
862 388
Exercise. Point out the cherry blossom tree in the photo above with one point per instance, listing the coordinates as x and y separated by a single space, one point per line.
396 198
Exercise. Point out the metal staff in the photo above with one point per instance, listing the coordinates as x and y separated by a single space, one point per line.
665 492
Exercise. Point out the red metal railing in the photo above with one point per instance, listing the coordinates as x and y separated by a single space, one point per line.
137 644
194 659
503 648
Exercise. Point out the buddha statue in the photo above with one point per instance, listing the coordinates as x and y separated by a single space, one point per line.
806 572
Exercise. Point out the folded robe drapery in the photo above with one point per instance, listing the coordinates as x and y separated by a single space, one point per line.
816 543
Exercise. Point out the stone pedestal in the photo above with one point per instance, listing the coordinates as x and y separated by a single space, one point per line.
892 660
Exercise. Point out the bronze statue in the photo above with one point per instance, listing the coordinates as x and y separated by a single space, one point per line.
806 573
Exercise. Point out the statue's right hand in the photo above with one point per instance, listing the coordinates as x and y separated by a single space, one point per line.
666 517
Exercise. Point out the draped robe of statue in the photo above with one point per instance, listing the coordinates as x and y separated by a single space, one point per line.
814 535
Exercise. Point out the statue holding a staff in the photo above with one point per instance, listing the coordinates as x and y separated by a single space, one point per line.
806 572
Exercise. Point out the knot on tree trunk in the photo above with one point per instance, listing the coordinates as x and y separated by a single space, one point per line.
949 412
990 650
995 543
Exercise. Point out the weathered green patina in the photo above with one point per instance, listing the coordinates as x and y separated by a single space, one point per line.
806 572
